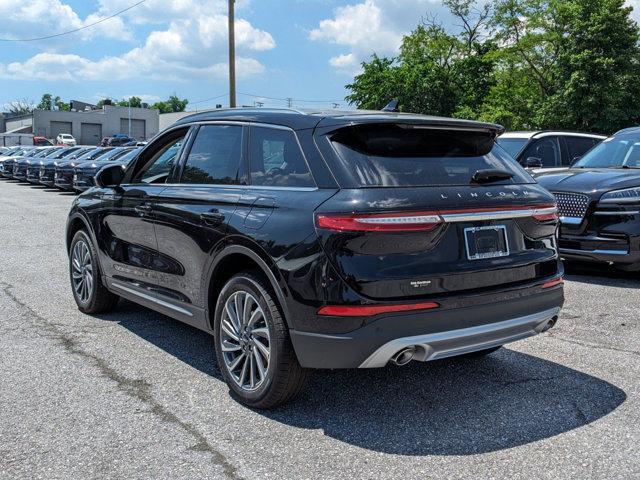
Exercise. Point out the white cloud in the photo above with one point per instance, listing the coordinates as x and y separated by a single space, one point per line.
636 9
37 18
371 26
194 44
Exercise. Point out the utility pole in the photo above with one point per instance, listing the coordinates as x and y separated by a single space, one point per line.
232 54
129 117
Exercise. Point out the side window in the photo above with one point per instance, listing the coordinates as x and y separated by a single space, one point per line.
276 159
546 149
157 170
215 156
577 147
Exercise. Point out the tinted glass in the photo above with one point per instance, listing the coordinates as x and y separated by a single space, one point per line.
616 152
577 147
512 145
403 156
215 156
546 149
129 155
158 170
276 159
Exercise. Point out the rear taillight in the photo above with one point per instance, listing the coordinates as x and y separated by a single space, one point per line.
547 213
425 221
553 283
389 222
370 310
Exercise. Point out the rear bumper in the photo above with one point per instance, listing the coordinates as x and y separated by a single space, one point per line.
435 334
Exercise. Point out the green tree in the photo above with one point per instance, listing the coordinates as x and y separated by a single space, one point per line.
566 64
136 102
173 104
46 103
436 72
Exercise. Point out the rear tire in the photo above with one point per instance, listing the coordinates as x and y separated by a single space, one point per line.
90 294
253 347
481 353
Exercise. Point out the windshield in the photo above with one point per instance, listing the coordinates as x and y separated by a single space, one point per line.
513 146
130 155
384 155
93 154
615 152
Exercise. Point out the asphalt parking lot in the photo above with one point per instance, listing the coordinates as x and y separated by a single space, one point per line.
134 394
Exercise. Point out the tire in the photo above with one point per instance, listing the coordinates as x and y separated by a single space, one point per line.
84 269
241 360
481 353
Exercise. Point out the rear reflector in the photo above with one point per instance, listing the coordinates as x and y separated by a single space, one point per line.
370 310
553 283
425 221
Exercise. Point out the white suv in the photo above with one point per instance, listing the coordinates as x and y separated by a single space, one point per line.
538 151
66 139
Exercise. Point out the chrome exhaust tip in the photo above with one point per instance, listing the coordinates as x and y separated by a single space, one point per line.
404 356
550 324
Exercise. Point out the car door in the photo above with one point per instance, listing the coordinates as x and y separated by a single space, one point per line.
575 148
192 215
127 232
546 149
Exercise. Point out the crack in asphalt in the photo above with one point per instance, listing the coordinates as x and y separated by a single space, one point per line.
594 345
137 388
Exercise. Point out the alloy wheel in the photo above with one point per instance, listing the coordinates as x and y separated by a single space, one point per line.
82 271
245 341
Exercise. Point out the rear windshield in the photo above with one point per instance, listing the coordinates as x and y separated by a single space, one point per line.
412 156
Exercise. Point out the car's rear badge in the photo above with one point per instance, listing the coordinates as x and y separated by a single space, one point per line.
421 283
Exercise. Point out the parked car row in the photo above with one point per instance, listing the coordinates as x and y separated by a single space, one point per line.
70 168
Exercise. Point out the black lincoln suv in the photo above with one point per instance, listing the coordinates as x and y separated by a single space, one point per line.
599 203
322 240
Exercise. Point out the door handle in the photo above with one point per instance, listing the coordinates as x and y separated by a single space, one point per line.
212 218
143 210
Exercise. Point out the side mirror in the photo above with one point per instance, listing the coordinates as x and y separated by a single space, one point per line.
109 176
533 162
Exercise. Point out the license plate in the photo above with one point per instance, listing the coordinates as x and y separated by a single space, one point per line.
75 177
486 242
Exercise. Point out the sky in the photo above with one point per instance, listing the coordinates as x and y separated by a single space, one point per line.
306 50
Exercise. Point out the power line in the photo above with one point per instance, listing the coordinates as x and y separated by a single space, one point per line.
74 30
208 99
288 99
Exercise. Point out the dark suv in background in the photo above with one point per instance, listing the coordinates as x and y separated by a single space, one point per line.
322 240
599 203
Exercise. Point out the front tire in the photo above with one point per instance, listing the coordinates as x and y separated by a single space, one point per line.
253 347
86 281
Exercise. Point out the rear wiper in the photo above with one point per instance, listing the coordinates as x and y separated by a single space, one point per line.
488 176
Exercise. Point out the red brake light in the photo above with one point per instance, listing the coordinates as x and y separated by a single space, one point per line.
370 310
546 213
386 222
553 283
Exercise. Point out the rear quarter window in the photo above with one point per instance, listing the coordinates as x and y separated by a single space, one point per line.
383 155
